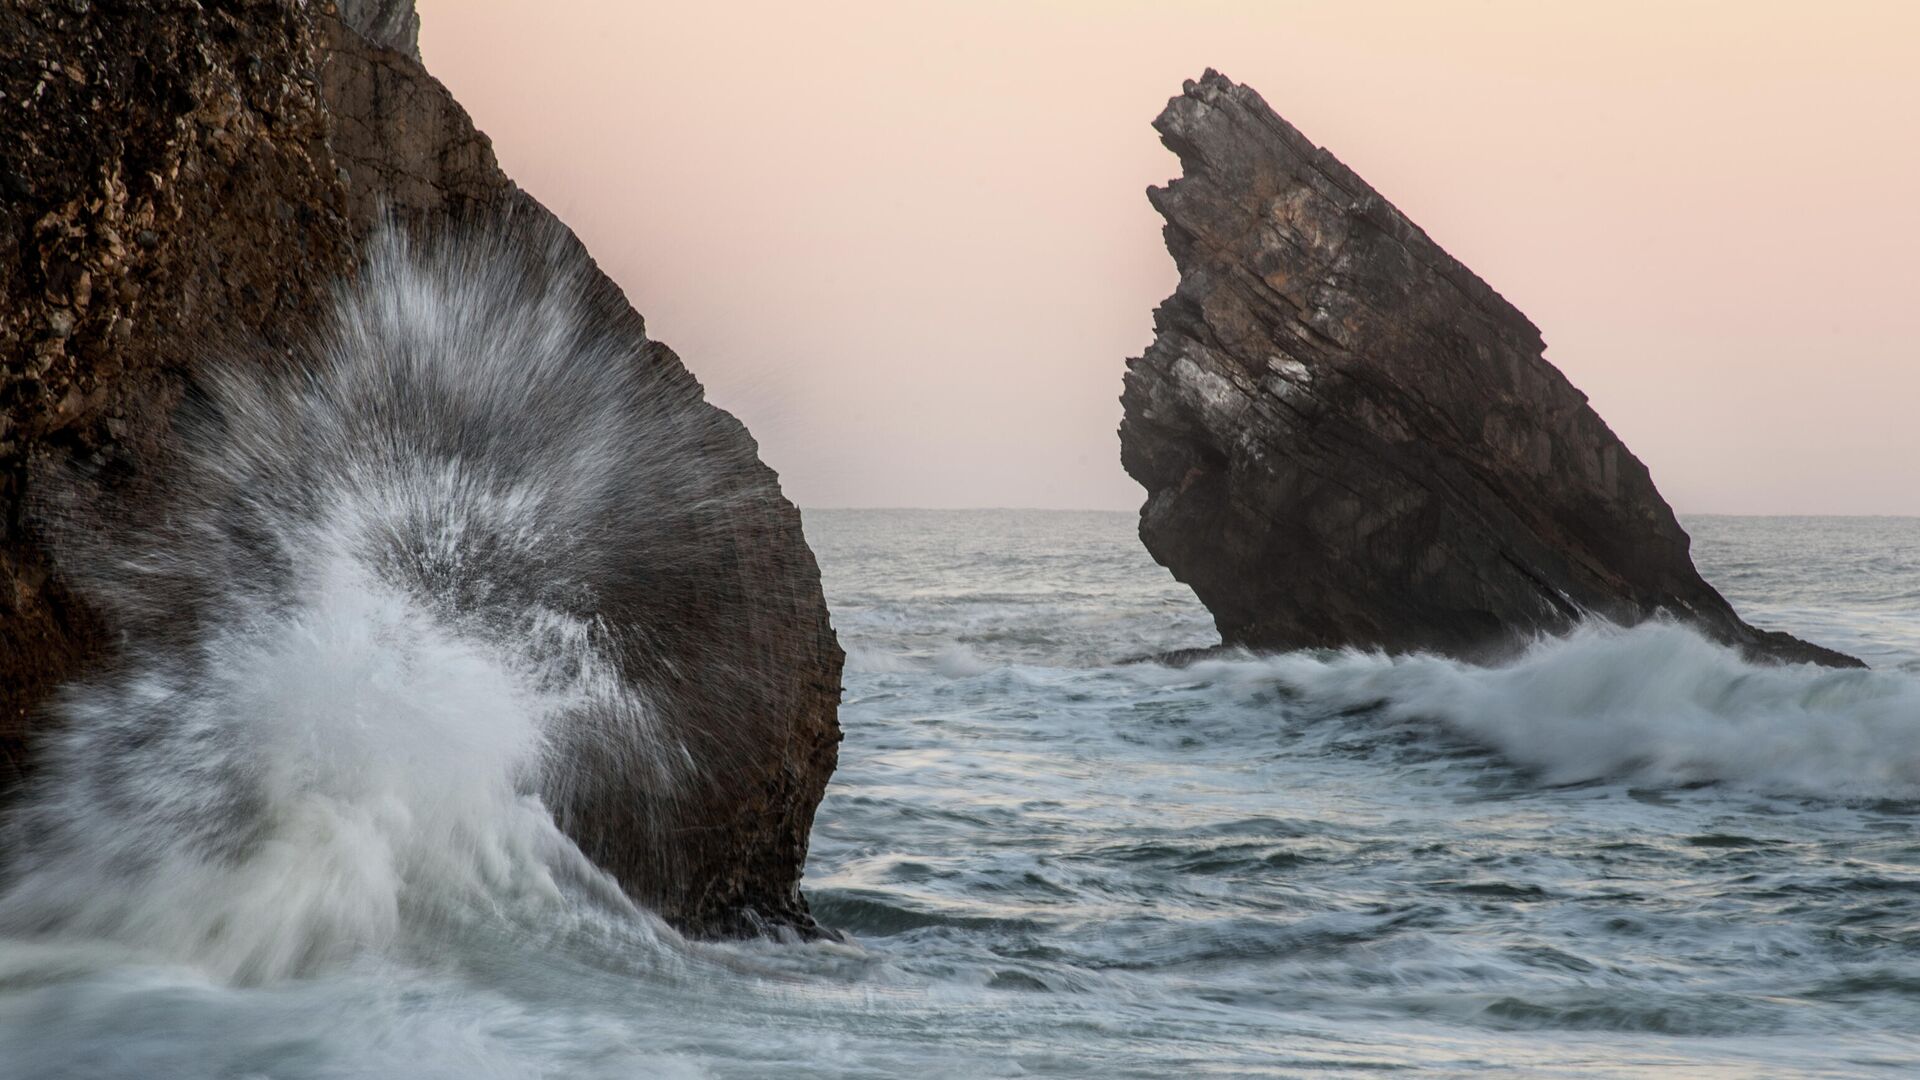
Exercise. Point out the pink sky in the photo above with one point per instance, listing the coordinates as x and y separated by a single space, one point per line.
907 242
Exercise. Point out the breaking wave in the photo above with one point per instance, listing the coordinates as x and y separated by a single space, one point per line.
1656 705
360 635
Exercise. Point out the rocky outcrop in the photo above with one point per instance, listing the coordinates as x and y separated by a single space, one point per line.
183 174
1347 438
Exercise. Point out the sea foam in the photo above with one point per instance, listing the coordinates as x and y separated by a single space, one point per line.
360 640
1655 704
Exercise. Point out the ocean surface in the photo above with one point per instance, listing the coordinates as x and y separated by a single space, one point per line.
1627 853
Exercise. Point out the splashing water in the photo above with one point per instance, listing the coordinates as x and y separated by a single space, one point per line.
359 621
305 829
1657 704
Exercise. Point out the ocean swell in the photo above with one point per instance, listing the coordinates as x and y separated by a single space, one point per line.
1655 705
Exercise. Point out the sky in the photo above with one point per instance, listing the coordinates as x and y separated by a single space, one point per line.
908 242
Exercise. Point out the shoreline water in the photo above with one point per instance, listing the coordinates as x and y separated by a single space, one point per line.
1587 864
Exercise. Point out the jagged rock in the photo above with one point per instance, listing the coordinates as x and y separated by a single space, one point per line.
1347 438
183 174
386 24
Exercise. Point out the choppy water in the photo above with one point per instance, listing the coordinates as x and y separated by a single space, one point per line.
1627 853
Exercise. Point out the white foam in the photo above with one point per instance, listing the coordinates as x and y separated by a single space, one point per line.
1656 704
316 774
354 639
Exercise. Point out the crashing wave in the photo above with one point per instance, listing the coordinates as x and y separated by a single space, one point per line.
363 644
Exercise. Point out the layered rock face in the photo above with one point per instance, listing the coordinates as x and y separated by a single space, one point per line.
180 178
1347 438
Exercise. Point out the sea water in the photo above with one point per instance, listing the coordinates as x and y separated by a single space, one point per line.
1627 853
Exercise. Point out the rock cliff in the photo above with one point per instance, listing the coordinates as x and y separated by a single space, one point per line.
1347 438
180 174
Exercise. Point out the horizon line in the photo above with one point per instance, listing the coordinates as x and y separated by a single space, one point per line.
1111 510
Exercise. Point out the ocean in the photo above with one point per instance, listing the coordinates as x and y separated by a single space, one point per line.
1627 853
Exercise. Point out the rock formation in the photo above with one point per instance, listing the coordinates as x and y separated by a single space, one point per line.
1347 438
179 174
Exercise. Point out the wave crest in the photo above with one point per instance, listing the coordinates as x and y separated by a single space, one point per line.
1656 704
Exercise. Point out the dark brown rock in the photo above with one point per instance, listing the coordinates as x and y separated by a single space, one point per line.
176 175
1347 438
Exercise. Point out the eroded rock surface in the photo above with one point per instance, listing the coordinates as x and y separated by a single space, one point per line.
1347 438
181 176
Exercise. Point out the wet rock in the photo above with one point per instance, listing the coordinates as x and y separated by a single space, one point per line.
1347 438
245 150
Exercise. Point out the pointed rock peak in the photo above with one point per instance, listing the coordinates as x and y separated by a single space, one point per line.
1349 438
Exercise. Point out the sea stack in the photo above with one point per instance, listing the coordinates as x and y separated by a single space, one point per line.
181 179
1348 439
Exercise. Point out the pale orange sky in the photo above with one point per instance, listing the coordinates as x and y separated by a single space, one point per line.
907 243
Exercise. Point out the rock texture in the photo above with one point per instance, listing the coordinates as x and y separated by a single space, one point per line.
1347 438
175 174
